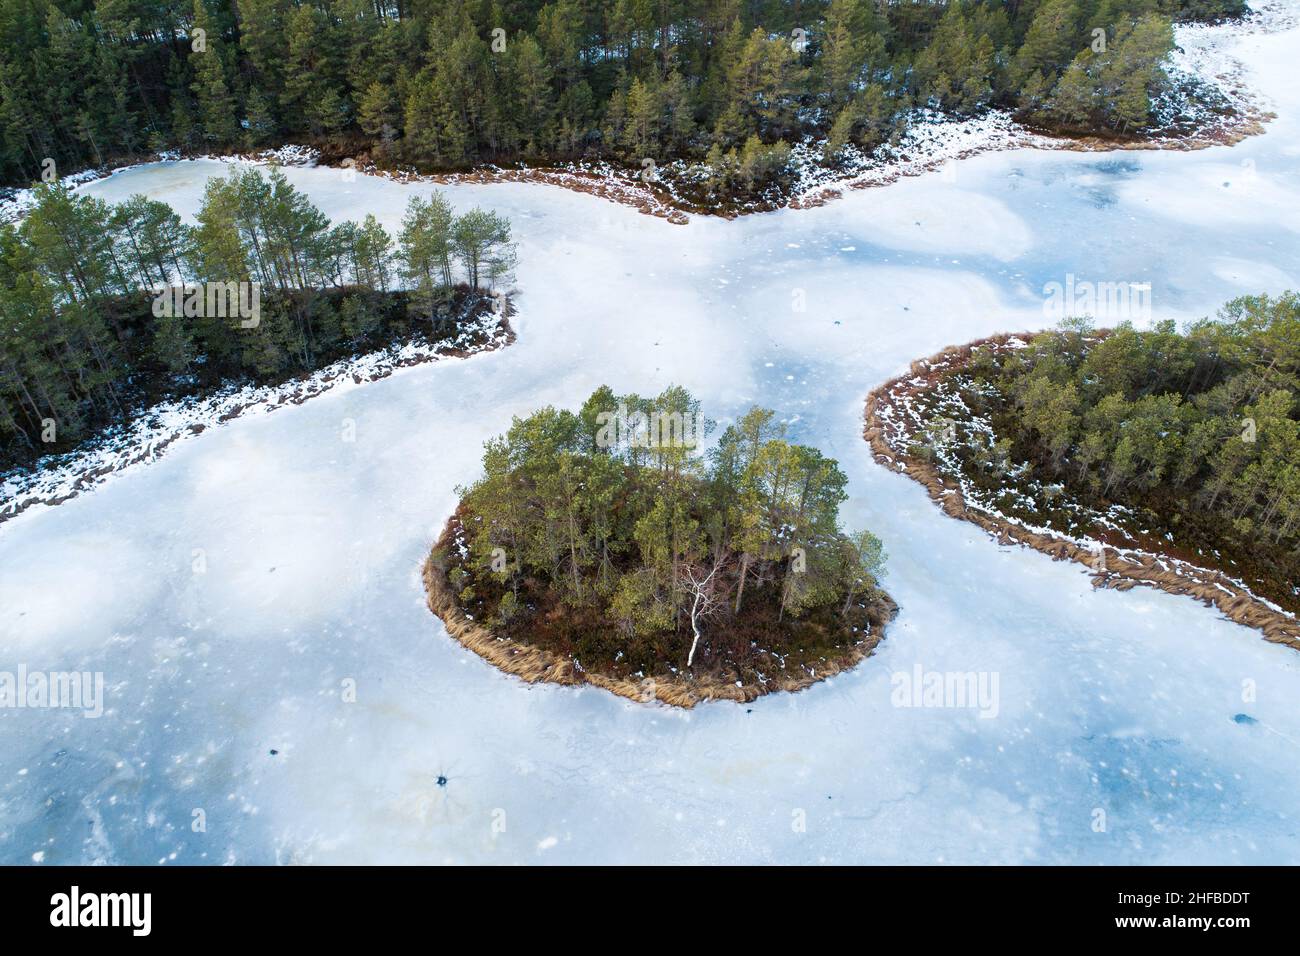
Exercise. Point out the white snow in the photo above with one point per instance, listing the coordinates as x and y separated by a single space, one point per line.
150 436
311 546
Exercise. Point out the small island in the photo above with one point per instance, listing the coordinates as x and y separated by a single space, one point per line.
1156 457
606 547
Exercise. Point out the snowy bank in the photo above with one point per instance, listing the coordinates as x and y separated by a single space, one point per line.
57 478
891 424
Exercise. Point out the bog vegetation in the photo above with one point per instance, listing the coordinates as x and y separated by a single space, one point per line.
450 83
82 344
1189 442
608 536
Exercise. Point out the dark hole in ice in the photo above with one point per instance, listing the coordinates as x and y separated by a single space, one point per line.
1244 719
442 781
274 752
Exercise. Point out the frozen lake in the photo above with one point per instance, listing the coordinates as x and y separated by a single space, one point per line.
1114 708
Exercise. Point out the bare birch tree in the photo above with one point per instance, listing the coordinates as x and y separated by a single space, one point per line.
706 592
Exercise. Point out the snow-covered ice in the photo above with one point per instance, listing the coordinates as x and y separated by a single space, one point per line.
237 591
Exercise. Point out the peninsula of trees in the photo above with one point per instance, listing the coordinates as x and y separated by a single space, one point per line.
85 345
1184 445
606 546
446 84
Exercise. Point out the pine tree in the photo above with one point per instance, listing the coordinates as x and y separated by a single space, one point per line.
261 122
304 83
481 241
1053 40
377 110
426 251
173 344
641 131
534 99
264 41
216 107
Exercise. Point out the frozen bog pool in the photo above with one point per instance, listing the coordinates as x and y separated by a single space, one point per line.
230 735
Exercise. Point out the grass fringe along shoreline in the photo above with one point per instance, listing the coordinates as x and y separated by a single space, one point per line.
624 186
535 664
1111 568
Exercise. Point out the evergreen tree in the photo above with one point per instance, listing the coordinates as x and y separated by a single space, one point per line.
426 250
216 107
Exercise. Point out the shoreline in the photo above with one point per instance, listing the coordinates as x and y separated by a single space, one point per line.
158 427
994 132
926 147
1110 567
536 664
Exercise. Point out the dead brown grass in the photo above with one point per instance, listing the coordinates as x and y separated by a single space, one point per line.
624 191
1111 569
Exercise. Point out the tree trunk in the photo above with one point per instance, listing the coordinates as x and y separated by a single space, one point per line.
695 628
844 612
740 588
